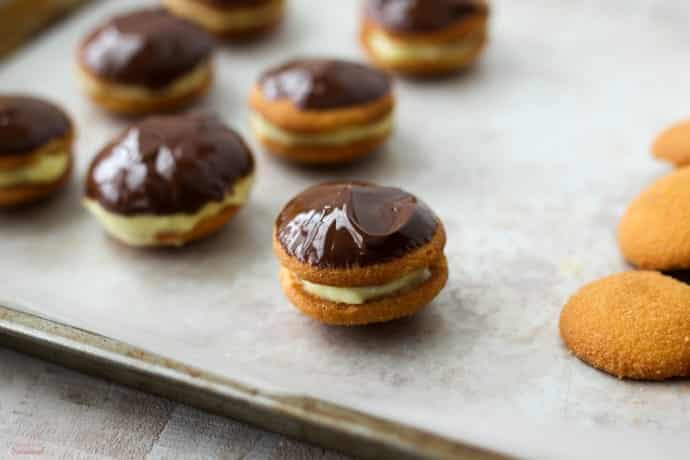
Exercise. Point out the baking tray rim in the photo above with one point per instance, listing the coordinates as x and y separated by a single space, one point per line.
301 417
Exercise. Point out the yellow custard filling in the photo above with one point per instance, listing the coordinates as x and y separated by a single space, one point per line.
268 130
183 85
361 294
143 229
218 20
48 166
392 50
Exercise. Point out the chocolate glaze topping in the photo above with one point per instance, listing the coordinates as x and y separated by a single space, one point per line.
168 165
345 224
422 15
150 48
27 124
320 84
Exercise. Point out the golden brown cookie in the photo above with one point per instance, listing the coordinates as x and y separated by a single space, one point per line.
205 227
632 325
126 67
35 149
654 233
424 37
324 155
111 97
355 253
322 111
231 19
170 180
673 145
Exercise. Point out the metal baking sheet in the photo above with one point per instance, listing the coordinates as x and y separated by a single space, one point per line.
19 19
530 159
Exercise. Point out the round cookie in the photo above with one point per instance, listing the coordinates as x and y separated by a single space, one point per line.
231 19
673 145
355 253
169 180
322 111
424 37
146 61
35 149
654 233
632 325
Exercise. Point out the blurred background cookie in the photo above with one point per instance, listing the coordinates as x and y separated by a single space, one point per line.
424 37
170 180
632 325
322 111
673 145
357 253
655 230
231 18
35 149
146 61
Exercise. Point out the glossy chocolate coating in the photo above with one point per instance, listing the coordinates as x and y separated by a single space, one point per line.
168 165
321 84
27 124
347 224
412 16
150 48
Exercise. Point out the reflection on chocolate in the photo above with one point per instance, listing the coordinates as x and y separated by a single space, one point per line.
168 165
27 124
325 83
150 48
345 224
230 4
423 15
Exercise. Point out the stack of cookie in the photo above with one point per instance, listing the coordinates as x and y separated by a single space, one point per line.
637 324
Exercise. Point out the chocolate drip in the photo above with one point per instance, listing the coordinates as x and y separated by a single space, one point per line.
320 84
346 224
150 48
167 165
27 124
410 16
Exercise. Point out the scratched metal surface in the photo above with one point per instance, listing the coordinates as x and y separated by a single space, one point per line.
530 159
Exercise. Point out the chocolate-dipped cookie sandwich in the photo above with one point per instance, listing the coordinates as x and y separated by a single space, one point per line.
322 111
356 253
146 61
169 180
424 37
231 19
35 149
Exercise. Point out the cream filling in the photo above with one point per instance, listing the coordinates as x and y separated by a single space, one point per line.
183 85
143 230
268 130
218 20
361 294
47 167
392 50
